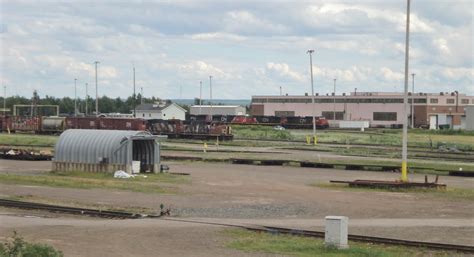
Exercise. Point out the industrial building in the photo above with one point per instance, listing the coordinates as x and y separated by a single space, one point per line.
218 110
379 108
161 110
107 151
469 119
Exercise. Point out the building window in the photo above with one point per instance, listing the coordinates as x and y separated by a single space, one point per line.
143 114
450 101
464 101
284 113
330 115
385 116
433 101
149 114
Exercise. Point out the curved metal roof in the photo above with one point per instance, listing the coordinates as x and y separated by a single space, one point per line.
88 145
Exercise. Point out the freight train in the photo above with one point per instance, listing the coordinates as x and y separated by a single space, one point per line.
287 122
172 128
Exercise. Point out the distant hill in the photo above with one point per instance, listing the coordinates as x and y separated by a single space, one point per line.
243 102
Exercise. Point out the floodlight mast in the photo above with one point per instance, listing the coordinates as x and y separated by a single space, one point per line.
96 91
404 176
310 52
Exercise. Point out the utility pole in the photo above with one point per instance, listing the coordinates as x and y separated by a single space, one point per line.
75 97
96 92
134 95
210 93
334 107
4 100
404 176
413 100
310 52
87 100
141 94
200 97
280 91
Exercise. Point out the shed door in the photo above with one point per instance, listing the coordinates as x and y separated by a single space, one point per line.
433 121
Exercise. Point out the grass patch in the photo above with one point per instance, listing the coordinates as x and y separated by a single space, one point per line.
153 183
17 246
450 192
303 246
260 132
27 139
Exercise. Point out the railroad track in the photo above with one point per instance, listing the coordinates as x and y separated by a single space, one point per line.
69 210
256 228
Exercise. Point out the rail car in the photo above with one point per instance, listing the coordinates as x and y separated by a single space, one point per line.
287 122
172 128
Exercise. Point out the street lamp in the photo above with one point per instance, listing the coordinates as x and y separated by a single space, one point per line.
200 96
404 176
334 107
4 100
75 98
310 52
87 100
134 96
210 94
96 92
413 100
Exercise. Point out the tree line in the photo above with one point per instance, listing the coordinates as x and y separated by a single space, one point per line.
66 104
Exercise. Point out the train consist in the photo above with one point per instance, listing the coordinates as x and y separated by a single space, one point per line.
195 126
287 122
172 128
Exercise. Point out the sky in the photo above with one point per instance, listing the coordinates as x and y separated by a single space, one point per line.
248 47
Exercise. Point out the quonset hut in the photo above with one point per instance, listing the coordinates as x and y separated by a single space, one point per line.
107 151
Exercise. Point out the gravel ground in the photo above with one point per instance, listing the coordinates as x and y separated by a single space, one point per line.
254 194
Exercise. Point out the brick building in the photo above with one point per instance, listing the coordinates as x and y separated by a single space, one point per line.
379 108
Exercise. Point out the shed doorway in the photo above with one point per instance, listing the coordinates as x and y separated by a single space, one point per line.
143 151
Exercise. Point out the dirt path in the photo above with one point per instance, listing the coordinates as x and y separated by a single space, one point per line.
282 196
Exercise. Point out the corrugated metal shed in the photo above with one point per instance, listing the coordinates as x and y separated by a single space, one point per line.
114 148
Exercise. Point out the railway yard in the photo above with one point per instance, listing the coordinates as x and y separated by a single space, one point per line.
263 178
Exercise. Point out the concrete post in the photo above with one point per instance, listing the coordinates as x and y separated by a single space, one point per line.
336 232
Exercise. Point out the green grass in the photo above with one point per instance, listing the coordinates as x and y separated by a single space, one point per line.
450 192
154 183
261 132
303 246
27 139
16 246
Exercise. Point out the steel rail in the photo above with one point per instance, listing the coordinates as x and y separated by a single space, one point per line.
256 228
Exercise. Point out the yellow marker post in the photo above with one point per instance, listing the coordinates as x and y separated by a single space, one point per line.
404 176
315 140
308 140
205 147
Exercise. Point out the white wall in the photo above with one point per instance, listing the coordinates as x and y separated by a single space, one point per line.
149 115
173 112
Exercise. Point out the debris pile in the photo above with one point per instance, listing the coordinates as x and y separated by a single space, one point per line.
26 155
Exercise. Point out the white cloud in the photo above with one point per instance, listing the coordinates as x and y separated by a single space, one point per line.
283 71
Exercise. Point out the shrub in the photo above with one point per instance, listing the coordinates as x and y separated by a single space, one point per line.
16 246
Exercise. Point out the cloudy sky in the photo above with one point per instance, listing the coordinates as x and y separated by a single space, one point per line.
249 47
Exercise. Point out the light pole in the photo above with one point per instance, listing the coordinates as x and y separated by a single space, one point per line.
141 97
87 100
200 96
96 92
334 106
75 97
210 94
280 91
134 96
404 176
4 100
310 52
413 100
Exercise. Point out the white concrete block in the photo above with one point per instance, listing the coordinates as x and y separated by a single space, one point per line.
135 167
336 232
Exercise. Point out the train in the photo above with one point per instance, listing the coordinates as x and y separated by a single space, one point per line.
292 122
171 128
